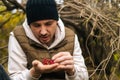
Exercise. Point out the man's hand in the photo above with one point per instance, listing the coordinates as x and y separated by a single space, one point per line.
62 61
65 61
39 68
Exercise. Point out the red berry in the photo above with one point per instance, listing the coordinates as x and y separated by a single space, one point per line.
51 61
46 61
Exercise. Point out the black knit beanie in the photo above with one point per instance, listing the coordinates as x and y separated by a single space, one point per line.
41 10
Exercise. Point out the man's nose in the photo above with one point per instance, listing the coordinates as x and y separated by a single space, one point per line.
43 31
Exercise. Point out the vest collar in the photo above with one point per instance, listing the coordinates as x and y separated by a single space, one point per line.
33 43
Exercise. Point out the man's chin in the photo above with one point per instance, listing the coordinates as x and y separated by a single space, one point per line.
44 42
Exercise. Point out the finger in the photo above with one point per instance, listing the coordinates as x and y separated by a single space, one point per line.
49 68
67 62
59 55
66 67
35 63
69 67
63 58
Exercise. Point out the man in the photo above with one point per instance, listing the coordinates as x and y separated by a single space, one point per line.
43 49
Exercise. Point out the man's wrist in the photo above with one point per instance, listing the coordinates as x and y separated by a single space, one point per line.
70 73
34 74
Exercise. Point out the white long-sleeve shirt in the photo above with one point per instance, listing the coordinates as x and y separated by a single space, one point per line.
17 62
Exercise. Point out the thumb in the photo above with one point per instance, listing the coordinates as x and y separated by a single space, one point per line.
36 66
35 63
35 69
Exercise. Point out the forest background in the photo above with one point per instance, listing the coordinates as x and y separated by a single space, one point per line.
96 22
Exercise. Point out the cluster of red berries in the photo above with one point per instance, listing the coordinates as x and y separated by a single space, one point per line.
47 61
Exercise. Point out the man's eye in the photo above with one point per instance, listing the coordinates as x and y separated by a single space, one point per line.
36 25
48 24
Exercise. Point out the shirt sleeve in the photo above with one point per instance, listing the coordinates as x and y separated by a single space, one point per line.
17 62
81 72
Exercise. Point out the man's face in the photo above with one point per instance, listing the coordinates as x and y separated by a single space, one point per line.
44 30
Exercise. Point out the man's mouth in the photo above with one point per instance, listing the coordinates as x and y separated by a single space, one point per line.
44 38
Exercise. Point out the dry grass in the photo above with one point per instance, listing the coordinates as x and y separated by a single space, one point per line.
98 31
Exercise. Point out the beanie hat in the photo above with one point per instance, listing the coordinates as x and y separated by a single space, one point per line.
41 10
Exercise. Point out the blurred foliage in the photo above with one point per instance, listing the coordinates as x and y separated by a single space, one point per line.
8 20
